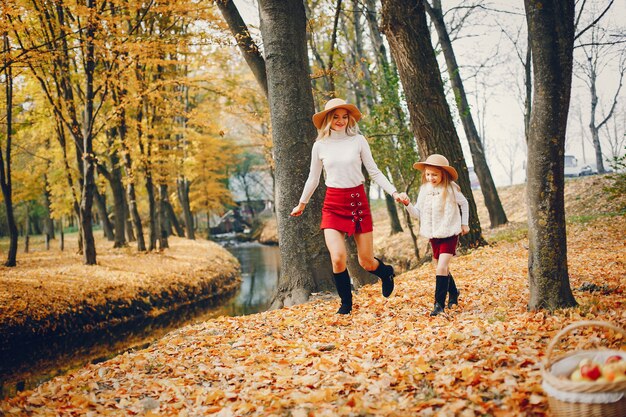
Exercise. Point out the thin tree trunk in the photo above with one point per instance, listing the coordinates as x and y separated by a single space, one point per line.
62 235
497 216
551 31
27 229
183 197
406 28
396 227
173 219
107 228
305 262
153 232
245 42
164 224
130 235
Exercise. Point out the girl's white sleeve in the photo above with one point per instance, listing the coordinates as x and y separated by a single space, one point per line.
372 168
314 175
463 204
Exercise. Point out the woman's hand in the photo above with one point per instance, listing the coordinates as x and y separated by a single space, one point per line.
297 210
401 198
464 229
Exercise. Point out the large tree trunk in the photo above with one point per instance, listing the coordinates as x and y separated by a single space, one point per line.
551 32
305 263
406 28
5 171
497 216
88 186
117 188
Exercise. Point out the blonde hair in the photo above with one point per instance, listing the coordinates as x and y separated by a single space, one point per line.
352 129
446 180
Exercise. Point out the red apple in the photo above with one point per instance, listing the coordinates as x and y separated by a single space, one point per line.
590 371
614 358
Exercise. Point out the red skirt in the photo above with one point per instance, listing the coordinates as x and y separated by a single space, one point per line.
347 210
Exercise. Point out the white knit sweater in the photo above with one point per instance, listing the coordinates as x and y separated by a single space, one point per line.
341 157
439 218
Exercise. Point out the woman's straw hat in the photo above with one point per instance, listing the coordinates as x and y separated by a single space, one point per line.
335 103
438 161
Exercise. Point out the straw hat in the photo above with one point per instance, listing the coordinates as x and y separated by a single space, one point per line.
335 103
438 161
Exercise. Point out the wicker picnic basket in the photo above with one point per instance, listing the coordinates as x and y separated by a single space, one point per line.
582 399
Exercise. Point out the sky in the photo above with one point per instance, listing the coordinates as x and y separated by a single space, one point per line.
494 90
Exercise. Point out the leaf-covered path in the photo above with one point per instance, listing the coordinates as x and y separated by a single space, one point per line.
388 358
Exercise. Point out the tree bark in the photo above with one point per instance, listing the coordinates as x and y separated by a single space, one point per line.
101 205
497 216
551 33
396 227
5 171
406 28
183 196
305 262
164 224
247 46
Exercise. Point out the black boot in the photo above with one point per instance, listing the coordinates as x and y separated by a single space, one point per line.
441 290
386 274
453 292
342 282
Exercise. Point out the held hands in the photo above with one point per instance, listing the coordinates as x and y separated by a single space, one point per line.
401 198
464 229
297 210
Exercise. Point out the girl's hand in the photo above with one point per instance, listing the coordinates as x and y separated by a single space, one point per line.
297 210
464 229
401 198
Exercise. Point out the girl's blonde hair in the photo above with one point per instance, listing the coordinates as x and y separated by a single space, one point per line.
446 180
351 130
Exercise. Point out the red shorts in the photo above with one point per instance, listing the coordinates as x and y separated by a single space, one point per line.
444 245
347 210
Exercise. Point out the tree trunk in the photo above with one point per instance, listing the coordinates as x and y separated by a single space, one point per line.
305 262
5 171
152 241
27 229
595 130
173 219
551 32
48 222
183 197
117 188
406 28
245 42
497 216
88 157
107 228
130 235
164 224
396 227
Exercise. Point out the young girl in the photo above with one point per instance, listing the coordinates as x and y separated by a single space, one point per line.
341 150
437 207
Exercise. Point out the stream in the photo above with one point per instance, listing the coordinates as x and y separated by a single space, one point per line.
26 366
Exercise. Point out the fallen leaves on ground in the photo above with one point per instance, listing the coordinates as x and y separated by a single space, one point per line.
51 291
389 358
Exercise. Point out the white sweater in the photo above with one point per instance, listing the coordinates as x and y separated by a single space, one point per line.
341 157
439 218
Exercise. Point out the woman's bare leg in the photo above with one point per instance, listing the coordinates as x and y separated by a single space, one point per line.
335 242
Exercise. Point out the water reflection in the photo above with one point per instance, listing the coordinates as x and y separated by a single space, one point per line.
26 366
259 273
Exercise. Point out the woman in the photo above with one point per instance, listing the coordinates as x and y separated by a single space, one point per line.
340 150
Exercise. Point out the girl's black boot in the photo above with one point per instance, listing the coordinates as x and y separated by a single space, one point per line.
453 292
386 274
342 282
441 290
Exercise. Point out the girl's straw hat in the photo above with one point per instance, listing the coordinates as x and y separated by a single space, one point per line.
335 103
438 161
